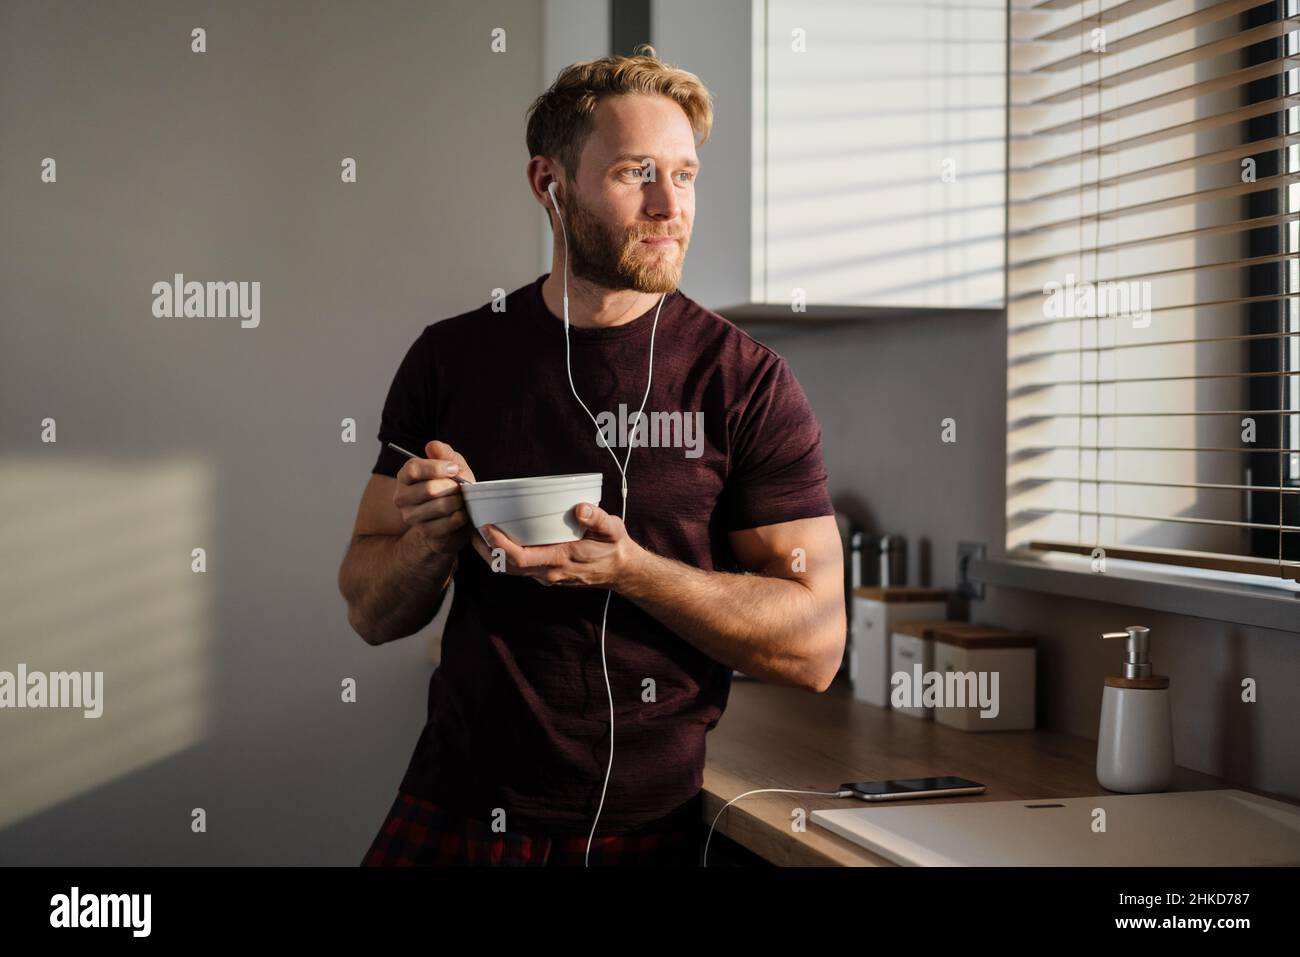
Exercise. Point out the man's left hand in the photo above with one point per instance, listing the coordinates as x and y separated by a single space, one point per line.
600 559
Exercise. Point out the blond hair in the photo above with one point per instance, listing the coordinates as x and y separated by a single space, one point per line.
560 120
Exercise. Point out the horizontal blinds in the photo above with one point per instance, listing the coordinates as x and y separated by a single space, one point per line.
1153 223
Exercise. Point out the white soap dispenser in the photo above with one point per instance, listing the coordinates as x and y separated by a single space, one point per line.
1135 746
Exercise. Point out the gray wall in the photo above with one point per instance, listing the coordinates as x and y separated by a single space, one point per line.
225 166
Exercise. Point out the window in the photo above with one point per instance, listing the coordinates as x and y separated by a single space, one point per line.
1153 230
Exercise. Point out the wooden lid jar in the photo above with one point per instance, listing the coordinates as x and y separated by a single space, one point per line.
989 678
876 612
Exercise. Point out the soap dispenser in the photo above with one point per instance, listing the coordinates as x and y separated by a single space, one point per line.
1135 747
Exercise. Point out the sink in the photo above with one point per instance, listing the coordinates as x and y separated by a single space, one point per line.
1220 828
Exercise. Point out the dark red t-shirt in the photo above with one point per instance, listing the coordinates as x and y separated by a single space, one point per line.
518 716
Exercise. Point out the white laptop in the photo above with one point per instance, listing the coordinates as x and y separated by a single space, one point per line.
1222 828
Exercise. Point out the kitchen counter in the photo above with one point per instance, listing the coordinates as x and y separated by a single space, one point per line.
780 737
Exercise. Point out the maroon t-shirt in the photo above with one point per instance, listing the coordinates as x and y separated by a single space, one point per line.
518 716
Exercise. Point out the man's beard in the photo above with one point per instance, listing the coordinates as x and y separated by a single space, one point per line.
616 260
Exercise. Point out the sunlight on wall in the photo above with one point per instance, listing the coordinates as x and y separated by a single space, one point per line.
884 153
97 578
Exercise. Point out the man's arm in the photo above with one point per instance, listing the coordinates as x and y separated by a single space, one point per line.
391 589
403 550
783 623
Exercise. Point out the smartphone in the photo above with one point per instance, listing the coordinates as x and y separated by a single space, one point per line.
904 788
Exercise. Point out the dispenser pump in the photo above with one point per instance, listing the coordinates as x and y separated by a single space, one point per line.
1137 663
1135 737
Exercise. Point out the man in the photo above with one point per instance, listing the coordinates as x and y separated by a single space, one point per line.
729 557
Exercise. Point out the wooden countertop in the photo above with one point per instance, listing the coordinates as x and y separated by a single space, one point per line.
779 737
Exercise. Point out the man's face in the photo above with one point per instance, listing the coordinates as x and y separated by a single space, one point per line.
629 218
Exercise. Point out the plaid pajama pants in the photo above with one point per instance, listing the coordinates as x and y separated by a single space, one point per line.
420 833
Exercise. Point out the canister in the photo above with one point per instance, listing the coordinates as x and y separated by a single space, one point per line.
911 658
988 678
876 612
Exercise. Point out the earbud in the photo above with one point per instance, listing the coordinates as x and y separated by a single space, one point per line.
555 205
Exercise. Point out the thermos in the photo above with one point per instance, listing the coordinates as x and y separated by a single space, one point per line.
892 555
1135 746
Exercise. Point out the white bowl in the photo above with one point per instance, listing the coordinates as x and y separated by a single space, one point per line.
533 511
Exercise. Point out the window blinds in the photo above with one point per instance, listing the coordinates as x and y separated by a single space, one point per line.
1153 236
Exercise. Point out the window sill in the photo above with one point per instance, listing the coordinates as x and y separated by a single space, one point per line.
1139 585
779 316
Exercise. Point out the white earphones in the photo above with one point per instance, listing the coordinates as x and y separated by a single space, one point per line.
622 469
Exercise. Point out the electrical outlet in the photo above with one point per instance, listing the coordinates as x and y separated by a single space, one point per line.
965 586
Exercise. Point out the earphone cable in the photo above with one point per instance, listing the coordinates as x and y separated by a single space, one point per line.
705 861
622 471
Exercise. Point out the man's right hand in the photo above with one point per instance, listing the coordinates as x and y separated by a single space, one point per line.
430 500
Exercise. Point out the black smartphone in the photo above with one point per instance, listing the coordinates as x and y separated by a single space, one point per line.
903 788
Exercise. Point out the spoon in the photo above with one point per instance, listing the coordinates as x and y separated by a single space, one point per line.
412 455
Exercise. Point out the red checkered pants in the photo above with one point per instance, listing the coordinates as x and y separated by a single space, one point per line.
419 833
